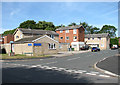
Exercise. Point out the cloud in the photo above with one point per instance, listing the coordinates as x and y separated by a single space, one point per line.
111 12
14 12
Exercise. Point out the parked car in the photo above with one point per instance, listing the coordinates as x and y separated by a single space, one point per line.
95 49
114 47
86 47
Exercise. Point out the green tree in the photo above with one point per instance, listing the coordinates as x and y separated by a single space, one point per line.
28 24
72 24
109 29
94 30
86 27
43 25
59 26
8 32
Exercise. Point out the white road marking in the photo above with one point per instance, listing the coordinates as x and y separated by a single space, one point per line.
104 75
90 73
73 58
50 63
94 72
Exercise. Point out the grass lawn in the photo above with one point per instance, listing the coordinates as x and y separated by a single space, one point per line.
18 56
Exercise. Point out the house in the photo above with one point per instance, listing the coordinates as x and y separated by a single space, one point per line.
98 40
25 33
74 35
1 39
8 38
36 45
119 41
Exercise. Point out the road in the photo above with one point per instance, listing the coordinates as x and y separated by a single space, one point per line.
77 68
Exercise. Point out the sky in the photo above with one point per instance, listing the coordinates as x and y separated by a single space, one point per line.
94 13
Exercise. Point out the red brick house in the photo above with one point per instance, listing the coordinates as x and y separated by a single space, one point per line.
8 38
74 35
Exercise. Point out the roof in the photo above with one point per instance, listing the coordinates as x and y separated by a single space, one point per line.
37 32
96 35
69 27
29 39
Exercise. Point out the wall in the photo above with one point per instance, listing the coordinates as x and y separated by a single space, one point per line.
64 47
18 33
79 34
44 49
103 43
8 38
23 48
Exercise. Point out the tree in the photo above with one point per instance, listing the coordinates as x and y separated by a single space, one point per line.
95 30
72 24
109 29
86 26
60 26
43 25
8 32
28 24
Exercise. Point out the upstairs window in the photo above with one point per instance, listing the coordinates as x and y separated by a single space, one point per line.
88 38
67 31
52 46
74 31
61 38
61 31
92 38
52 36
99 38
17 36
74 38
67 38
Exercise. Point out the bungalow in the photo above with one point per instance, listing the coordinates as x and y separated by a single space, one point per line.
37 45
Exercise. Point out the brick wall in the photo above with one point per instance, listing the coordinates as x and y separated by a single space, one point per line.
8 38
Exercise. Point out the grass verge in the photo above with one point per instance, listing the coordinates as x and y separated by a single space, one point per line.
19 56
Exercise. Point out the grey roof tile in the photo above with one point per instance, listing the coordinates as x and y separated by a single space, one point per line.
96 35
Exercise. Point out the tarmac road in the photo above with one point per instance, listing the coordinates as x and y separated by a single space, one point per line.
77 68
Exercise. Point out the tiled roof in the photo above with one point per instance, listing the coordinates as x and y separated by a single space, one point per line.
29 39
37 32
69 27
96 35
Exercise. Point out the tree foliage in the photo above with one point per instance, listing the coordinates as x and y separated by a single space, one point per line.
72 24
9 32
109 29
28 24
114 41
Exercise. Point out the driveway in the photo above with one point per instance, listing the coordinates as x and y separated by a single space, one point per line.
80 66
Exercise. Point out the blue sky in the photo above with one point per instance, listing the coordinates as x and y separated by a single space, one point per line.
94 13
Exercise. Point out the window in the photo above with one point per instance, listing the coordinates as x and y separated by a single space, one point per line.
99 38
74 31
61 38
67 31
52 46
52 36
102 45
17 36
67 38
60 46
61 31
93 38
74 38
88 38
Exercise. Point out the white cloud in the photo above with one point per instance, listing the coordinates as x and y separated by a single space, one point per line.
14 12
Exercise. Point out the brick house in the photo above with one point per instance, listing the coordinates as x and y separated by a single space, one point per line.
98 40
74 35
8 38
25 33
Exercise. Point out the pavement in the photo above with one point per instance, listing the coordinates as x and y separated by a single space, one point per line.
76 68
110 65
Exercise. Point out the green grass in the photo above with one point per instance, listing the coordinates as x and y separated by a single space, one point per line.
19 56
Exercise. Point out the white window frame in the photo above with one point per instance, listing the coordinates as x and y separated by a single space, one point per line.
52 46
74 31
17 36
74 38
61 31
67 31
99 38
